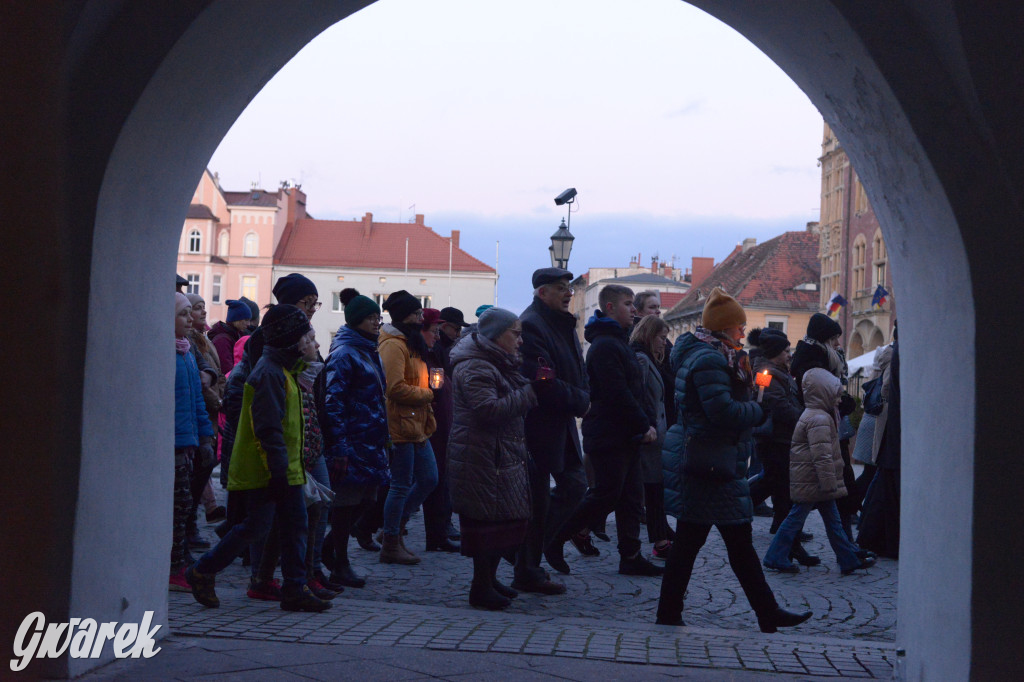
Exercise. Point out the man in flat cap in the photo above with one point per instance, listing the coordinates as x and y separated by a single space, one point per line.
452 323
551 349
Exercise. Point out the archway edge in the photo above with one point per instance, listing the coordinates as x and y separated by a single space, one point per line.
815 44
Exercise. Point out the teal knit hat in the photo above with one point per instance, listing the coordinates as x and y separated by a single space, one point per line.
357 307
481 309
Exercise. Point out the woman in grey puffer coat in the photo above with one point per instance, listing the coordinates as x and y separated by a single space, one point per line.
487 450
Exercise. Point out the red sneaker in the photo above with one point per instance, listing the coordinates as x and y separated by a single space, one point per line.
661 552
267 591
177 583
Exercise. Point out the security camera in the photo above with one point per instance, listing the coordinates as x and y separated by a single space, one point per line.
565 197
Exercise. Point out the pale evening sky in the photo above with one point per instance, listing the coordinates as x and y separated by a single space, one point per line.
680 136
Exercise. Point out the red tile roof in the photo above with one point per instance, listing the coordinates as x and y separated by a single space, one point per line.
670 298
341 243
764 276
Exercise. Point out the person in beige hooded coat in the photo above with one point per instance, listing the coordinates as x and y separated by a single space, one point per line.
816 477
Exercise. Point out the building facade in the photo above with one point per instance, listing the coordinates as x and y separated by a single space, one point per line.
776 283
854 259
380 258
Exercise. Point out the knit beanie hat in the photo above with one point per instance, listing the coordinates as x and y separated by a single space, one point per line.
495 321
284 325
194 298
401 304
481 309
237 310
181 302
253 308
357 307
772 342
721 311
293 288
822 327
431 316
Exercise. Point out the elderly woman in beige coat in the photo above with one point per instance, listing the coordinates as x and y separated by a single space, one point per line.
816 477
487 455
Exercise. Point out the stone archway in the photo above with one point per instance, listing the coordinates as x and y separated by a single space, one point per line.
134 97
856 346
876 340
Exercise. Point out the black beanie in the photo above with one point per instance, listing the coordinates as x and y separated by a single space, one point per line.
293 288
401 304
772 342
284 325
822 327
253 308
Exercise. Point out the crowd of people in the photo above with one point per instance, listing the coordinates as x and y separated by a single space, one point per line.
428 412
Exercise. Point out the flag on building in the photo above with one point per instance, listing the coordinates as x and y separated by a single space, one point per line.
880 297
834 304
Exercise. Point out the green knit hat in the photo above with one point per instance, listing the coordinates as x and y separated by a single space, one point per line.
357 307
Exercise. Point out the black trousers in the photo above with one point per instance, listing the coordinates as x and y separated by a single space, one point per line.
739 544
774 482
618 486
550 510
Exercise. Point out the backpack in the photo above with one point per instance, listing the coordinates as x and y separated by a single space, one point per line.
873 401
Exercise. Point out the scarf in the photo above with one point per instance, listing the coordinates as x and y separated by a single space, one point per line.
735 356
181 345
414 338
308 376
836 359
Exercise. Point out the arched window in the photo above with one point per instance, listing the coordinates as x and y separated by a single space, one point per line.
195 241
880 258
860 248
251 246
224 244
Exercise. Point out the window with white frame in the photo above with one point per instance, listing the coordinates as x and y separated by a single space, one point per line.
195 241
336 306
224 244
215 296
425 301
251 245
249 287
880 258
193 283
779 322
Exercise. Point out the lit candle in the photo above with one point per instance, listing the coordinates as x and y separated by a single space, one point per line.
763 380
436 377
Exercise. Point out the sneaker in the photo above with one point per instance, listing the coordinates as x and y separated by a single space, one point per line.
319 590
867 562
661 553
584 545
218 513
326 582
302 599
202 587
265 590
177 583
639 566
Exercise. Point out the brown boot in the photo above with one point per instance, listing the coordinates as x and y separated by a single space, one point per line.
401 541
392 552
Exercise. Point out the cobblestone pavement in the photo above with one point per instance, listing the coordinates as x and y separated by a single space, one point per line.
603 617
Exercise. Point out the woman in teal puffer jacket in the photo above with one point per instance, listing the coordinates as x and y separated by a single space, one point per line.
713 387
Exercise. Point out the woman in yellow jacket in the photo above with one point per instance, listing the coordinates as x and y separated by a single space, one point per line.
410 421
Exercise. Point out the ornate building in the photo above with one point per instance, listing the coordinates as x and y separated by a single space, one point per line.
854 260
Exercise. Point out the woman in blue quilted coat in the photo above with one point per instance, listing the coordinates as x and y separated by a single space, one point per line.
354 423
487 450
713 388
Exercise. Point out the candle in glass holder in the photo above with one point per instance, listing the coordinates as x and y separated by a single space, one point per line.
763 380
437 377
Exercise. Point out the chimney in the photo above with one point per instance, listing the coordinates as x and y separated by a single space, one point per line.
455 238
702 267
419 218
749 243
667 270
367 225
634 262
812 227
654 265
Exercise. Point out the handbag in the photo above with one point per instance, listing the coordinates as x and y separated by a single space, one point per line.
709 459
873 401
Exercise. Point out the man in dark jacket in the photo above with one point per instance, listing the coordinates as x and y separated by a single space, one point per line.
613 430
551 347
452 323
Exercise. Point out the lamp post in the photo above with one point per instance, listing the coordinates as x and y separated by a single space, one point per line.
561 246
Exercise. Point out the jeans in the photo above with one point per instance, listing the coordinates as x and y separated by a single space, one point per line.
319 473
549 511
846 551
739 544
618 486
413 476
259 517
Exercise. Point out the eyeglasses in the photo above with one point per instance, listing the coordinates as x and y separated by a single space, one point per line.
562 288
312 306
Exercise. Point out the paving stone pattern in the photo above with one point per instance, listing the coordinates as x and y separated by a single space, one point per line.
603 617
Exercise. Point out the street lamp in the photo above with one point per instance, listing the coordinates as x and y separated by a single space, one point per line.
561 240
561 246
